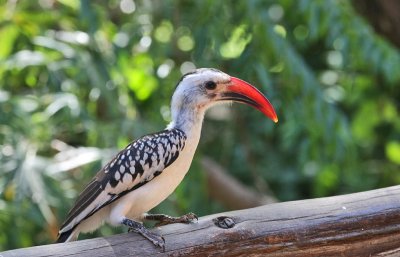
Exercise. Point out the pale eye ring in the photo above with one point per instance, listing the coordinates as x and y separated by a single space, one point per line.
210 85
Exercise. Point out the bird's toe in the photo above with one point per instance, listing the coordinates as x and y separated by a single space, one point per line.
191 217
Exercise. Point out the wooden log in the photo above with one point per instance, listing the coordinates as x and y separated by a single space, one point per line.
360 224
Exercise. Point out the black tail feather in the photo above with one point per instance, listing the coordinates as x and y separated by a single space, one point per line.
64 236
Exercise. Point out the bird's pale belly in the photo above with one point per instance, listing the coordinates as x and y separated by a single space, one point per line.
146 197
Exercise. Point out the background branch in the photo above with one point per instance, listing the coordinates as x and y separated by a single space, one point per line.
230 192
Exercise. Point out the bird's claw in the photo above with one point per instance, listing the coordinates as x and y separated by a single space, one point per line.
137 227
158 241
189 217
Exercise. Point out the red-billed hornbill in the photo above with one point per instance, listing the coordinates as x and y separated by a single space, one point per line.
149 169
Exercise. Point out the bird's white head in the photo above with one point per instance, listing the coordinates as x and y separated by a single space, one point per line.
202 88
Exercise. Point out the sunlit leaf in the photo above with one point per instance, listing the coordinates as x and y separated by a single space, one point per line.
141 83
74 4
393 151
236 43
8 35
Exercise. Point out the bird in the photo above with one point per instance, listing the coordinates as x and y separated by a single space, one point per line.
149 169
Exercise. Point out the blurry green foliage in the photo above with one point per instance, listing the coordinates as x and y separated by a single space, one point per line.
81 79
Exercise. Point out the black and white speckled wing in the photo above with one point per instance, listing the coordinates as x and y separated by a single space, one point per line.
134 166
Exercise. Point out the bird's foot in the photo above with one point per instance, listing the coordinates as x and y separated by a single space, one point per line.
166 219
138 227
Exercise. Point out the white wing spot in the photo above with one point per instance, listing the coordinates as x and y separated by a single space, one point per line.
117 175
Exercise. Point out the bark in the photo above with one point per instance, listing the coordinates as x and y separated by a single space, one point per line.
361 224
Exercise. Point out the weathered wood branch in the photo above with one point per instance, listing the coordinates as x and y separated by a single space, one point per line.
361 224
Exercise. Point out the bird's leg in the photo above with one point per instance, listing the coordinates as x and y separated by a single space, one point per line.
166 219
138 227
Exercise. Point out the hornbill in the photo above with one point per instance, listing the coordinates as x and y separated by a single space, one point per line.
149 169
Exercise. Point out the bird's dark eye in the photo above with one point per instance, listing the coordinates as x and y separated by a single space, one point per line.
210 85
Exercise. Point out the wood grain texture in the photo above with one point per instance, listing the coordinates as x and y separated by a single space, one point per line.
361 224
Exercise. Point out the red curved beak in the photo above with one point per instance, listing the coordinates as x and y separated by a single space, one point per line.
241 91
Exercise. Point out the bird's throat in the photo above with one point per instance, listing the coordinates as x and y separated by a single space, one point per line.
189 120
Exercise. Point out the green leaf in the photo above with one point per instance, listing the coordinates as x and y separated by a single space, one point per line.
392 150
236 44
141 83
8 35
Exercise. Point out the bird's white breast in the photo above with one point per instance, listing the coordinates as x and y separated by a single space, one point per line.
146 197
